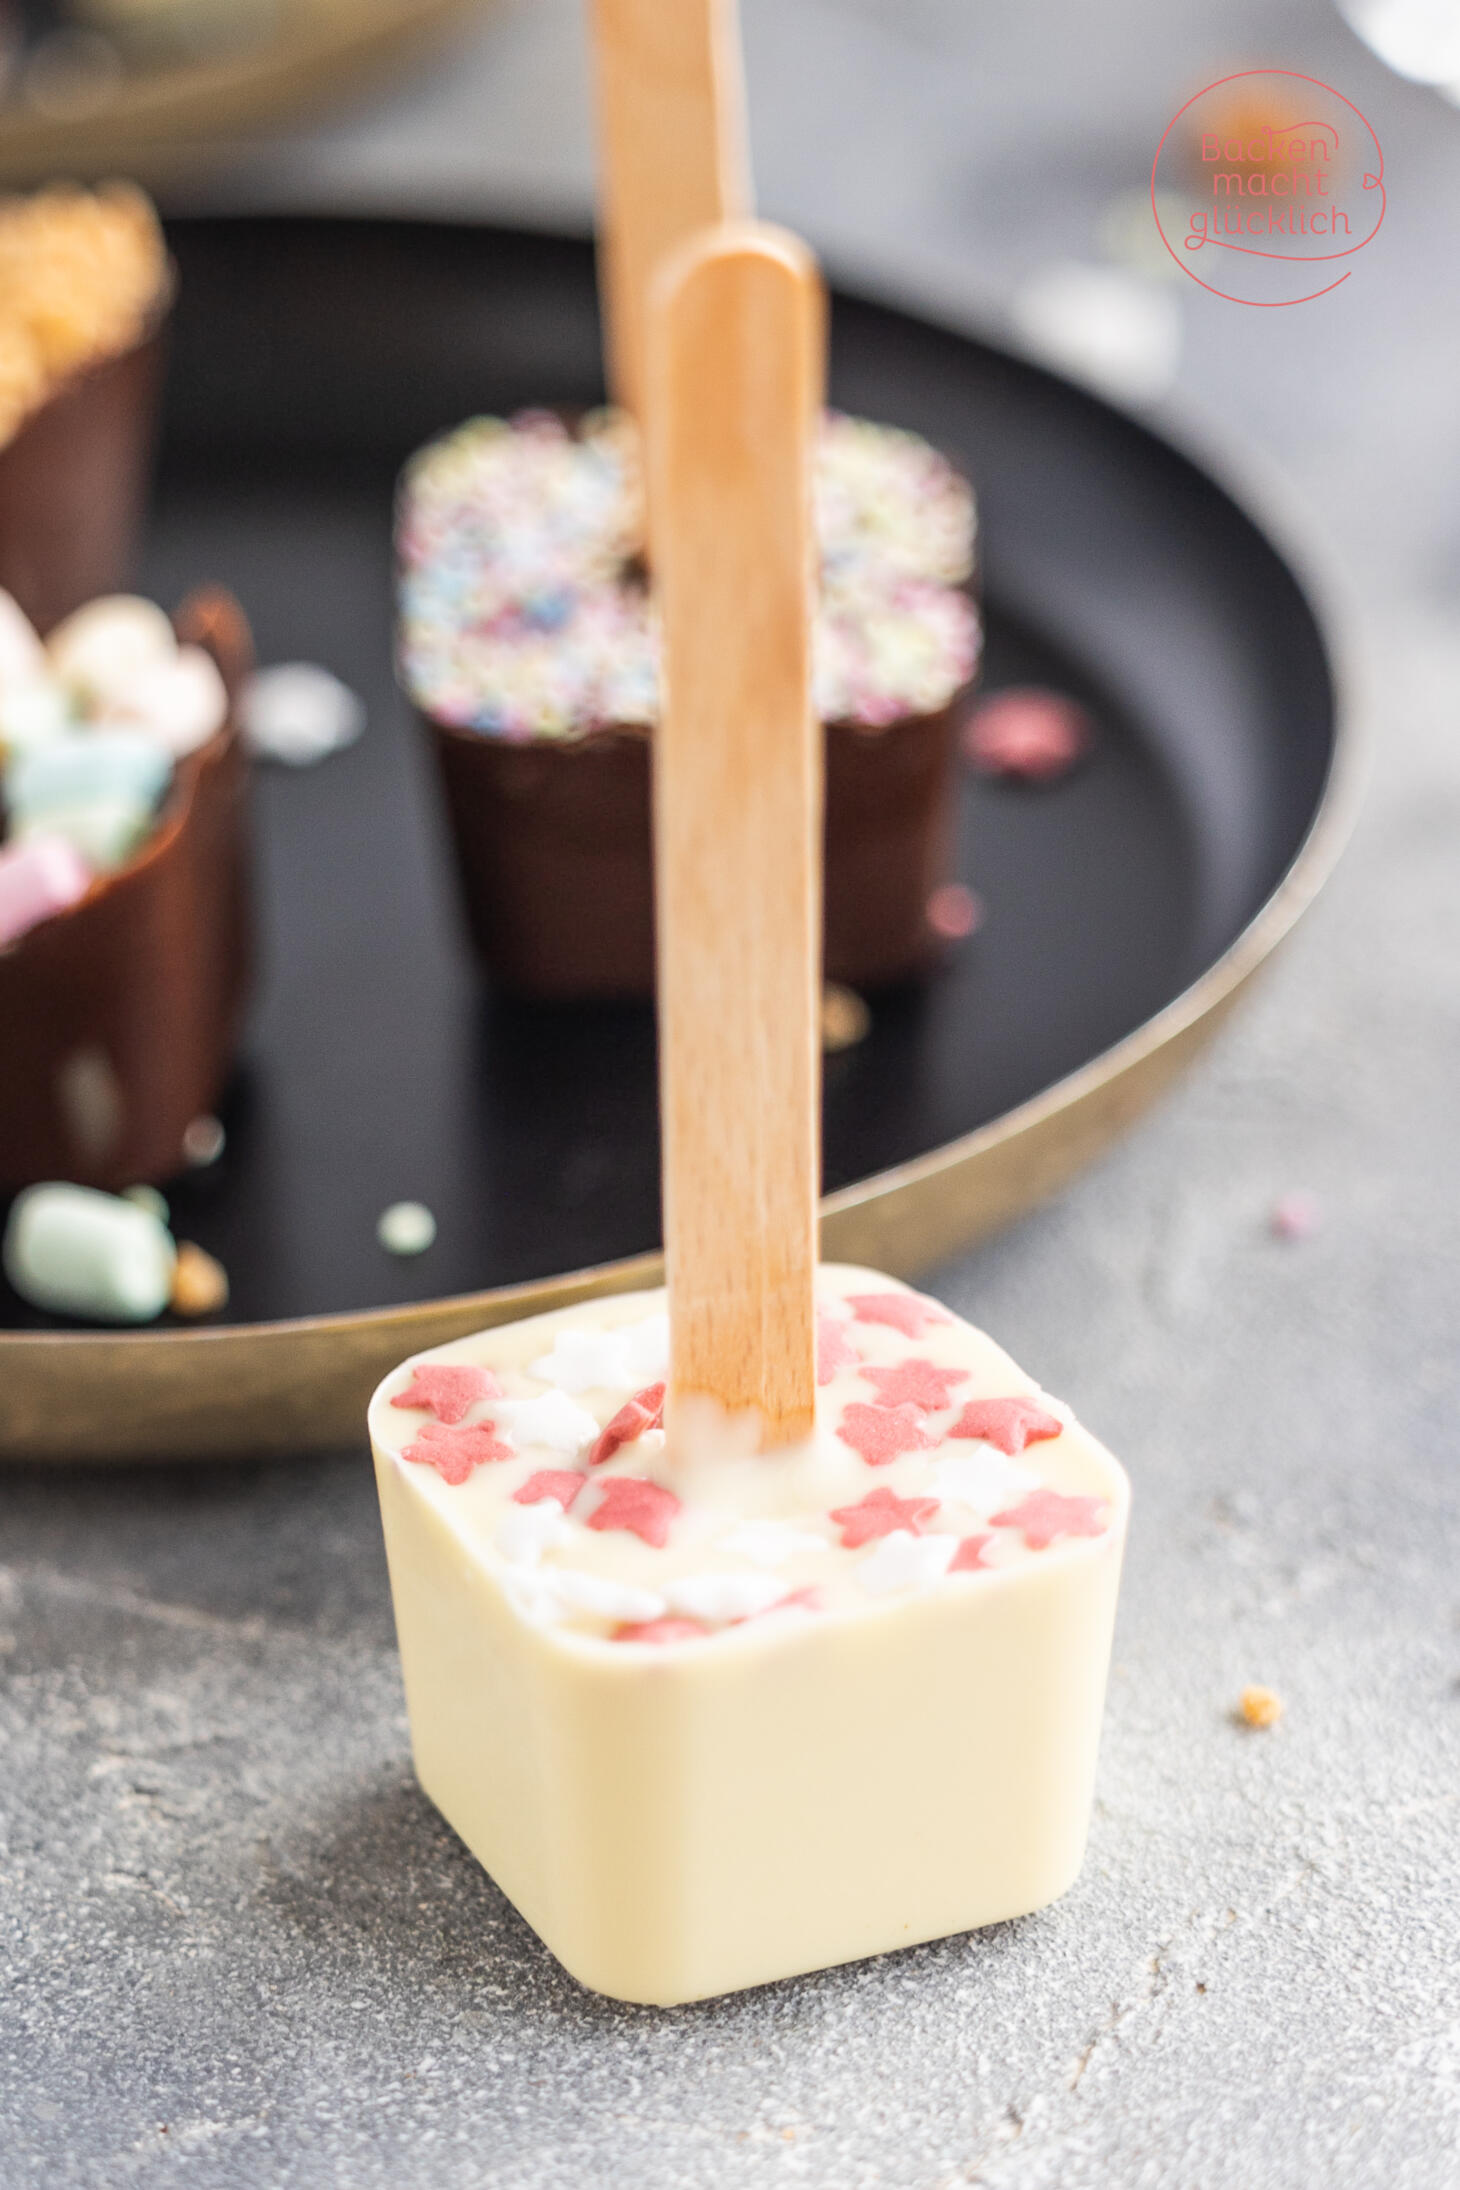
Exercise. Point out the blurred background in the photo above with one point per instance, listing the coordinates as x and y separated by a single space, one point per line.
995 163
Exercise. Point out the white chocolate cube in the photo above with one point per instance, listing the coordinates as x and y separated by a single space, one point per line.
849 1700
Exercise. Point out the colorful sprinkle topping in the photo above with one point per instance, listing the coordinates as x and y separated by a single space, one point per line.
645 1411
453 1453
834 1350
1011 1424
915 1383
563 1484
909 1313
880 1433
449 1390
1046 1514
907 1480
878 1514
632 1502
524 612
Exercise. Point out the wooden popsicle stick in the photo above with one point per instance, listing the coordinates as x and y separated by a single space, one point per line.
672 153
735 372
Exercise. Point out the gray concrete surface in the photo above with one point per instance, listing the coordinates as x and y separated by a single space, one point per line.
236 1945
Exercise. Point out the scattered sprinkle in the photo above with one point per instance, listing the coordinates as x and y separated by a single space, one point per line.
953 911
903 1561
1046 1514
879 1434
721 1598
551 1419
199 1281
525 1532
203 1142
406 1228
645 1411
1259 1707
633 1503
560 1484
834 1350
449 1390
969 1557
1296 1216
915 1383
1027 735
453 1453
659 1631
878 1514
846 1018
1011 1424
910 1313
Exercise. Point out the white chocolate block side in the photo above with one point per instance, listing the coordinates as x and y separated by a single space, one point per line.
771 1794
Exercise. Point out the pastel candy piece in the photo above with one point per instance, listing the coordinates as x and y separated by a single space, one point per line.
890 1737
22 657
298 713
180 699
75 1252
104 832
101 648
39 876
85 765
32 709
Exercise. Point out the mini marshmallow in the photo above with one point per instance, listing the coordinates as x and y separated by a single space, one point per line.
905 1561
76 1252
102 831
38 877
102 648
32 710
180 699
22 657
81 766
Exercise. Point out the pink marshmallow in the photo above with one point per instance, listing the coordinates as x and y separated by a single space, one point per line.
39 877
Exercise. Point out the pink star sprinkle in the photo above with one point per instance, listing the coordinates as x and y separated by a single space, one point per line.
834 1350
632 1502
804 1600
915 1384
909 1313
659 1631
563 1484
1030 735
879 1434
1011 1424
878 1514
454 1453
447 1389
969 1555
645 1411
1045 1514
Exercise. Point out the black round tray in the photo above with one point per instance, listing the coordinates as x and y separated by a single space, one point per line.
1123 905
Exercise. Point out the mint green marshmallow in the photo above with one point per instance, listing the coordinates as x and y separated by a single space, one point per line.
76 1252
81 767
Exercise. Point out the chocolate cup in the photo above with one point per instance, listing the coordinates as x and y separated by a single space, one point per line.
554 853
119 1017
73 483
